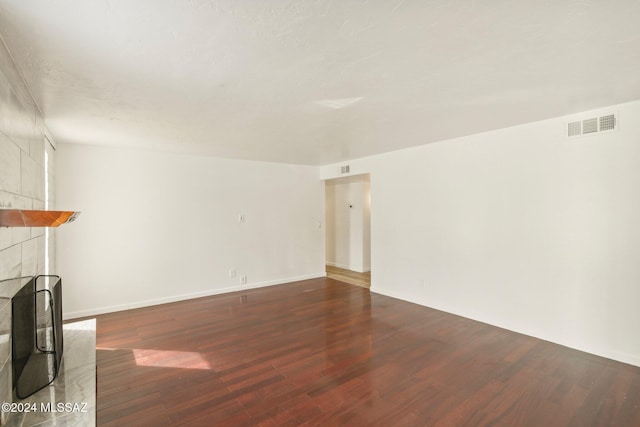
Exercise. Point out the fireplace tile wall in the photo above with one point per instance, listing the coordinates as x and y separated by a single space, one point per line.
24 156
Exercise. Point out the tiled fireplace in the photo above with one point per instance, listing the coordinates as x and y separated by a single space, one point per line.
27 182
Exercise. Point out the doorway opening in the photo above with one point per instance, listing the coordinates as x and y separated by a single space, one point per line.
348 229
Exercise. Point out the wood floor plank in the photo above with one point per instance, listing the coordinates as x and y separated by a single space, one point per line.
322 352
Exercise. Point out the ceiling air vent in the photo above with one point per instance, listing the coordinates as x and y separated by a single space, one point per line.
592 125
345 169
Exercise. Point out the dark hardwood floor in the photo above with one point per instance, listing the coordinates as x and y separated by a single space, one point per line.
322 352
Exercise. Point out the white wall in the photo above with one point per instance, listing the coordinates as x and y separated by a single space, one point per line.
365 200
347 219
331 236
520 228
159 227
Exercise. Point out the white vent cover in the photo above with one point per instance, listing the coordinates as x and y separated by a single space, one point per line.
574 129
607 122
592 125
345 169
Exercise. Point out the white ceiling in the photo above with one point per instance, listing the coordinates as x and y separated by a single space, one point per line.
316 81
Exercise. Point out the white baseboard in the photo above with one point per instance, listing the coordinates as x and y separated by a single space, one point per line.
175 298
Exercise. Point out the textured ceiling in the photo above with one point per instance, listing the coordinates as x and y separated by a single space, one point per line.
315 82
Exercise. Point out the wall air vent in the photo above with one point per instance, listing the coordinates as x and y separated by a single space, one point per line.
607 122
345 169
592 125
574 129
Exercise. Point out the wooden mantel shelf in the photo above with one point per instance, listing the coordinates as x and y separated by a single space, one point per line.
30 218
